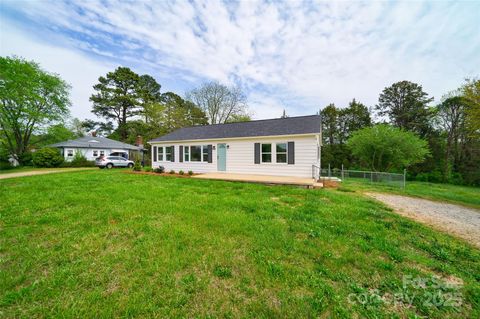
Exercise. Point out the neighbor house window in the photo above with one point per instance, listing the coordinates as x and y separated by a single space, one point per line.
205 153
196 153
168 153
95 153
266 153
69 152
281 152
102 153
160 154
186 153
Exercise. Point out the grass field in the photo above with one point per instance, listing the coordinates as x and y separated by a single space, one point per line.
104 243
463 195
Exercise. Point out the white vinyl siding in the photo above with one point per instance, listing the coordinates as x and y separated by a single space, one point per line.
240 156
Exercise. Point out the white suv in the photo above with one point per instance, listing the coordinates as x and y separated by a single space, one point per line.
113 161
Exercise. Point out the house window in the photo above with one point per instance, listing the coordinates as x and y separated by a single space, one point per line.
160 154
205 153
186 153
281 152
95 153
69 153
266 153
168 153
196 153
102 153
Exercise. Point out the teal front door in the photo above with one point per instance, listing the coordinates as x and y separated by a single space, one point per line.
221 157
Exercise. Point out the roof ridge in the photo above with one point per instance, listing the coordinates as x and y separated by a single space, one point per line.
277 118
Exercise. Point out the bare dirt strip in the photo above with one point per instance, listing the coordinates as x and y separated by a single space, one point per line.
42 172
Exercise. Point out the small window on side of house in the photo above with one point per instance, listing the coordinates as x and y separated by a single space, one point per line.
266 153
205 153
186 153
281 149
69 153
168 153
102 153
160 154
196 153
95 153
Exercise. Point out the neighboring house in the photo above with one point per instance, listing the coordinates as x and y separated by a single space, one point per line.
92 147
284 146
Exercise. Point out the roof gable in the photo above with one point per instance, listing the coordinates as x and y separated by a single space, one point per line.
273 127
95 142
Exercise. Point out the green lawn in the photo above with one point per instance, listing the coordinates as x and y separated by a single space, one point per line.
104 243
463 195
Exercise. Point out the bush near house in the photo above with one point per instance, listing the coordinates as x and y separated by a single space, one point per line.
137 167
159 170
79 160
47 157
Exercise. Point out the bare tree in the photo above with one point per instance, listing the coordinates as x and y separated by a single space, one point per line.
219 102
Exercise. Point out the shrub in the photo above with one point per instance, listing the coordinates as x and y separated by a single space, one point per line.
79 160
180 172
26 159
172 172
47 157
147 169
190 173
137 167
159 170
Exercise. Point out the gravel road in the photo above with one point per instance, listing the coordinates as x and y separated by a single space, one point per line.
457 220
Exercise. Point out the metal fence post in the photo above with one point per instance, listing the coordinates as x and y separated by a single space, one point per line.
343 176
329 172
404 177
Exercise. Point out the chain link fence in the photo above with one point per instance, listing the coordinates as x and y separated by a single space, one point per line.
393 179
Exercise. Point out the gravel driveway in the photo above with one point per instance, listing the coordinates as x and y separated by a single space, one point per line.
457 220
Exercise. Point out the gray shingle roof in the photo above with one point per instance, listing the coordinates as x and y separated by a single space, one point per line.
95 142
273 127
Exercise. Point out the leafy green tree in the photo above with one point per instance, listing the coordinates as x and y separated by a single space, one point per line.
452 115
239 118
54 134
117 97
406 106
330 124
47 157
384 148
30 98
100 128
471 93
149 93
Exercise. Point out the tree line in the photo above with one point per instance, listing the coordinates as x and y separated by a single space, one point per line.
439 143
34 109
450 132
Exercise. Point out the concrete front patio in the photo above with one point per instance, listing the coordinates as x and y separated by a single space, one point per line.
263 179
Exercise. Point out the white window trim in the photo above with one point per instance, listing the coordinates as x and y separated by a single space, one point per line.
286 153
271 153
160 150
95 152
68 152
203 148
163 150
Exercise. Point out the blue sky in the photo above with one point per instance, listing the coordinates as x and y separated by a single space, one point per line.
298 56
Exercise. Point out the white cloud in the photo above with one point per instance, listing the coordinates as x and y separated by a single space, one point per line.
293 55
80 71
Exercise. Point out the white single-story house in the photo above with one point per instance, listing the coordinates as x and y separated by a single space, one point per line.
282 147
93 146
